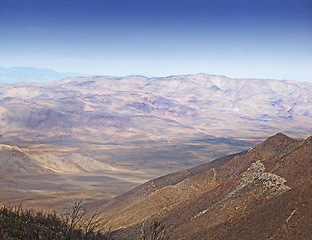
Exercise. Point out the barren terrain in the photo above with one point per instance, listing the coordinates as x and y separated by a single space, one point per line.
263 193
96 137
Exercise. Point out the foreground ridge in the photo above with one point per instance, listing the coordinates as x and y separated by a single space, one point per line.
264 193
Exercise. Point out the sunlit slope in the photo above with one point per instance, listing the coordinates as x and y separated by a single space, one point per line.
230 200
135 108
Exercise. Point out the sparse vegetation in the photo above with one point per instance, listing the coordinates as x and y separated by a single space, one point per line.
155 232
19 223
29 224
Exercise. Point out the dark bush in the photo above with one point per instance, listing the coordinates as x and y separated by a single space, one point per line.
19 223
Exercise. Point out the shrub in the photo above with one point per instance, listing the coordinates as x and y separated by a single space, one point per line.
19 223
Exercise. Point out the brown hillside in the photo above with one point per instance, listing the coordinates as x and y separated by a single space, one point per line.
287 216
260 194
139 193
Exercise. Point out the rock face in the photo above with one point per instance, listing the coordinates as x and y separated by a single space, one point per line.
264 193
256 175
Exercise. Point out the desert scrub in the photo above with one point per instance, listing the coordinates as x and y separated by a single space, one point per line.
19 223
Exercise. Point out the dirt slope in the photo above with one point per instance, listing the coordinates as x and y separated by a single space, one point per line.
264 193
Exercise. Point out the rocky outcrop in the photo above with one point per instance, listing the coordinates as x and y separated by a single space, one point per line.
256 174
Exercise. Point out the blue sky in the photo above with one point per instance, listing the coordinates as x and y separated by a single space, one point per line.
236 38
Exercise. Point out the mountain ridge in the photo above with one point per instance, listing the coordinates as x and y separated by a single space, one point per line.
15 161
139 108
199 206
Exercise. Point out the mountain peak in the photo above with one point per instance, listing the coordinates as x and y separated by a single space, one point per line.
278 137
229 201
274 144
308 140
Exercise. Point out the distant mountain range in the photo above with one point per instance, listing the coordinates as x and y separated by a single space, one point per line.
263 193
28 74
135 108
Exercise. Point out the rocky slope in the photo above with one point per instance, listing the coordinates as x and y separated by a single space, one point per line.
16 161
264 193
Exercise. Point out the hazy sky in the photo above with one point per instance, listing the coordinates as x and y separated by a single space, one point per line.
236 38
